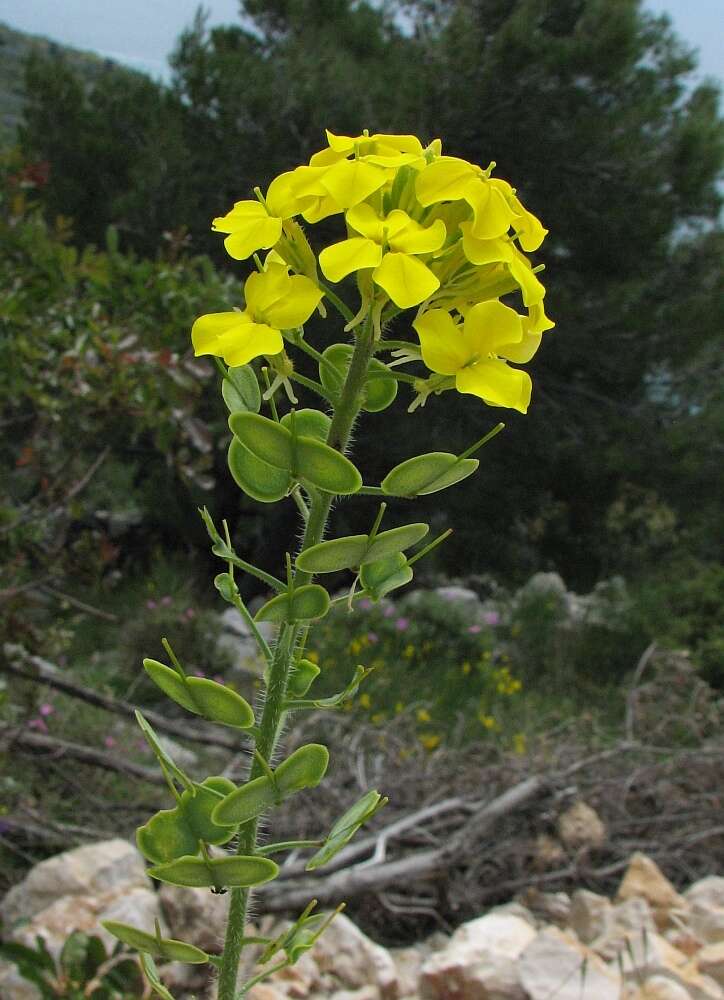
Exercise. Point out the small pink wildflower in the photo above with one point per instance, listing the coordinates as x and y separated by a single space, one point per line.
402 624
364 603
389 611
151 604
491 618
46 709
190 613
109 742
372 638
166 601
38 724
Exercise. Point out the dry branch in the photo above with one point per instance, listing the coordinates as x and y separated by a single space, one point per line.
40 743
20 663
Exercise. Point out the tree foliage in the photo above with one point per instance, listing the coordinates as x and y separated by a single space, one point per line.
589 102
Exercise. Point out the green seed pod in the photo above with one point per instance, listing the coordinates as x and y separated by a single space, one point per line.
216 873
427 474
306 603
166 948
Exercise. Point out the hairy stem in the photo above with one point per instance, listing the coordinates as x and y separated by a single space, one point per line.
345 414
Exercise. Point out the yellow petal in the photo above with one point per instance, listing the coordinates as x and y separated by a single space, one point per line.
234 337
532 289
351 181
492 214
300 300
405 279
366 221
537 321
523 351
397 143
281 198
257 234
320 208
242 214
496 383
446 179
262 290
490 324
480 251
529 229
341 259
415 238
443 348
326 157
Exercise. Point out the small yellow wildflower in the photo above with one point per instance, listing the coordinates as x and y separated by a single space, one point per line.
312 656
466 668
409 651
519 743
423 715
399 708
377 718
365 701
487 721
431 741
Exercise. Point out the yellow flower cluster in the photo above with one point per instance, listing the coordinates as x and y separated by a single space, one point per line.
423 230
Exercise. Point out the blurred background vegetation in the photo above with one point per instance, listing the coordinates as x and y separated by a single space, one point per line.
113 434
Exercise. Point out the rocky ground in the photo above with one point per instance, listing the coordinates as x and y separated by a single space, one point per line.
650 942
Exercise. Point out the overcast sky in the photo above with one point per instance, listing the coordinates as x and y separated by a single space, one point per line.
142 32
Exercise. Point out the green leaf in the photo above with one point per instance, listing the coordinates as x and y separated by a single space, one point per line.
303 675
305 768
427 474
384 575
308 422
167 948
216 873
336 699
204 697
258 479
241 389
333 555
302 457
395 540
264 438
380 385
326 468
247 802
345 828
173 833
171 683
164 759
352 551
151 973
307 603
219 703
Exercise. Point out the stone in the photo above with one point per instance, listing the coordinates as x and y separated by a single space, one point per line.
363 993
546 907
556 964
591 915
264 991
707 892
480 961
660 988
408 963
94 869
457 595
710 961
581 826
137 906
644 957
517 909
707 922
354 959
645 880
195 915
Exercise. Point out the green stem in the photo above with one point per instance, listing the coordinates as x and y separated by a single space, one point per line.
338 304
345 414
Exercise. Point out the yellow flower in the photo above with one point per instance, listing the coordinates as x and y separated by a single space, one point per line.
487 721
365 701
432 741
423 715
312 656
451 179
519 743
399 707
409 651
472 352
257 225
466 668
390 245
274 302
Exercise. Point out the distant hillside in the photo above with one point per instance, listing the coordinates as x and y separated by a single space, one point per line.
15 46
